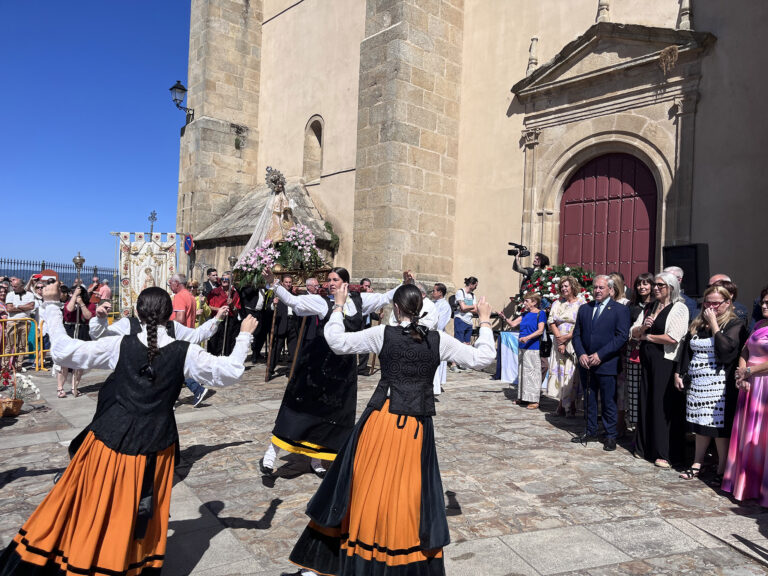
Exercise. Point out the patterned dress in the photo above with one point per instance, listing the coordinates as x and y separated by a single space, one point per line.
705 403
563 378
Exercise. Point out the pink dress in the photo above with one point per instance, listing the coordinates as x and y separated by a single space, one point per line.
746 472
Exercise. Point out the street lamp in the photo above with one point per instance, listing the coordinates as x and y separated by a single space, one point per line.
178 92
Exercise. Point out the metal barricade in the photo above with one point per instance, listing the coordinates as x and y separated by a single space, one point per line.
9 332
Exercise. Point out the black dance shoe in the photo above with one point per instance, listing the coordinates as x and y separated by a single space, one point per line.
609 445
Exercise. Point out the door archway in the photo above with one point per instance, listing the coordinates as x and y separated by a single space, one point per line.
608 217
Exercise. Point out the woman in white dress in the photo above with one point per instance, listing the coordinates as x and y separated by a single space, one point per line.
563 379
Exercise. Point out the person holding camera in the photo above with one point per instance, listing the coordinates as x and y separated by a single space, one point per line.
462 318
539 261
709 354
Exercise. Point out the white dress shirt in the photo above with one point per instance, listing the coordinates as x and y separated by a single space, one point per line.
100 327
443 313
372 339
207 369
316 305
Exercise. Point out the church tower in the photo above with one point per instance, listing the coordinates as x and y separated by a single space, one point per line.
218 152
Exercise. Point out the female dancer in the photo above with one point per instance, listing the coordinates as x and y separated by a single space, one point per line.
380 509
108 514
318 408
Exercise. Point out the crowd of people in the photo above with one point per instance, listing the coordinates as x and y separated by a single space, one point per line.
654 366
663 366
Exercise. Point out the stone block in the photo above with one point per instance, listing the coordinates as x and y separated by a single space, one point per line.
416 17
448 126
423 79
411 53
368 136
389 111
431 7
421 117
645 537
363 118
432 141
453 72
451 15
427 203
448 50
452 148
421 39
438 28
447 89
433 183
406 92
424 159
434 63
434 102
398 132
449 166
366 178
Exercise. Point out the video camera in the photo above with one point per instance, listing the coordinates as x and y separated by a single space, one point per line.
518 249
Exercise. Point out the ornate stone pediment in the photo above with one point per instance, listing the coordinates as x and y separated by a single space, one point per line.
607 50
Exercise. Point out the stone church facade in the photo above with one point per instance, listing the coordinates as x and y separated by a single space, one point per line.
429 133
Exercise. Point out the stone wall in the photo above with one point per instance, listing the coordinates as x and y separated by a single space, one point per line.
407 139
219 147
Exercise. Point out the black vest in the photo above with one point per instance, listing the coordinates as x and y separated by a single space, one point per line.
407 371
134 415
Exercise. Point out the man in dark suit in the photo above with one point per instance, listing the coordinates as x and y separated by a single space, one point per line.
211 283
602 329
286 328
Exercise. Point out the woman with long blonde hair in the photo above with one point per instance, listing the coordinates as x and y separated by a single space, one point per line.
707 367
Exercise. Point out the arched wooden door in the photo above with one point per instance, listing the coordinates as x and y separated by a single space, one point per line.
608 217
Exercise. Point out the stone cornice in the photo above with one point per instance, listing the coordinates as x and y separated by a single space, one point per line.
546 80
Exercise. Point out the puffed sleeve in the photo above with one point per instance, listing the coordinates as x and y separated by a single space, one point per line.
304 305
100 327
478 357
372 301
341 342
212 370
196 335
729 341
78 354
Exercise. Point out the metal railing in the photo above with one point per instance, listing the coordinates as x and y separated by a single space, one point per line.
67 272
9 328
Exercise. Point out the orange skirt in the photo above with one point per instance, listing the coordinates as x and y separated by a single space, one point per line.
86 523
380 530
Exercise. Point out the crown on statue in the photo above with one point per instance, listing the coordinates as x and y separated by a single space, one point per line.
275 179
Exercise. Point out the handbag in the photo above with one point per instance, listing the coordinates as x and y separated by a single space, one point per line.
545 342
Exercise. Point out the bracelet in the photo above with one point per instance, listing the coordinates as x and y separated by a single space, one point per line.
335 306
749 371
485 322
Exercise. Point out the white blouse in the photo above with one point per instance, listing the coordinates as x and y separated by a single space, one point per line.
316 305
372 339
207 369
675 327
100 327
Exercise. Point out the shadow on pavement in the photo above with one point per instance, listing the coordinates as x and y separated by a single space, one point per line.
191 539
23 472
192 454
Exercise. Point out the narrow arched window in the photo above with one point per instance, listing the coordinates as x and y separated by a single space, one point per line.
313 149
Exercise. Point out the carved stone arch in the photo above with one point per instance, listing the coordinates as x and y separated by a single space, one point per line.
313 149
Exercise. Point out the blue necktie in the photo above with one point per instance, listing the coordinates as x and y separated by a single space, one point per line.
596 314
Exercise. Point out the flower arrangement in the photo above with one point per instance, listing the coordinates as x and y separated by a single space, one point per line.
18 386
296 252
545 282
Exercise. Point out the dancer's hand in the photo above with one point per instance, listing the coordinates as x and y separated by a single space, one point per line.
407 277
223 311
52 292
483 310
103 310
248 325
268 275
341 294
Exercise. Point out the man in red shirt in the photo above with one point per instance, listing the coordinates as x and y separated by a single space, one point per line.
184 312
223 341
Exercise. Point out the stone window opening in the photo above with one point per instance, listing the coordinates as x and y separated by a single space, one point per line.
313 149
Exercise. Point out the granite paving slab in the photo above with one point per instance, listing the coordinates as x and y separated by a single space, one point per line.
520 497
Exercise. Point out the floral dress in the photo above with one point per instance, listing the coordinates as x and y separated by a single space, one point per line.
563 376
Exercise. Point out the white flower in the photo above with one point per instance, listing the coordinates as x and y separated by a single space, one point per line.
567 269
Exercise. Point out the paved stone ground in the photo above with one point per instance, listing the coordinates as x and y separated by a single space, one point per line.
521 499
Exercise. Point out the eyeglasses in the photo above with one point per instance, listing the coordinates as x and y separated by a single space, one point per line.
660 285
714 304
39 287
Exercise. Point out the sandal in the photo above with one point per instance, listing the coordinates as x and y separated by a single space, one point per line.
661 463
690 473
75 393
533 406
60 393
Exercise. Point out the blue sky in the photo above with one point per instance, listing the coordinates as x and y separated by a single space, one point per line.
89 137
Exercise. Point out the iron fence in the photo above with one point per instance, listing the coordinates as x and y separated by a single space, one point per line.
67 272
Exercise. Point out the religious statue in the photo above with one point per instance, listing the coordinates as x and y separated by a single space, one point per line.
149 279
281 217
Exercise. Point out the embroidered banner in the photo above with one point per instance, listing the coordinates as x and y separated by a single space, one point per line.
144 261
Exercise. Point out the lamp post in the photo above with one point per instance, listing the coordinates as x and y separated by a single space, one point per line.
178 92
78 261
152 219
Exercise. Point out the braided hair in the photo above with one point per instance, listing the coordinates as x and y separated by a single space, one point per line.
409 301
154 308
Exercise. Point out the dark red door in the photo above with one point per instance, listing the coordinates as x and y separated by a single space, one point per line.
608 217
